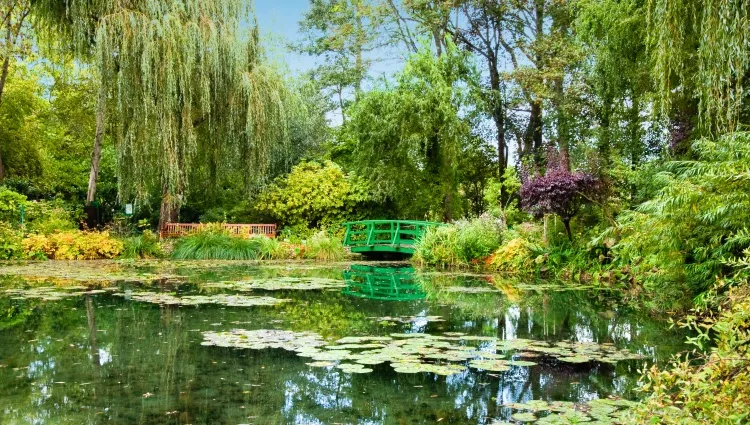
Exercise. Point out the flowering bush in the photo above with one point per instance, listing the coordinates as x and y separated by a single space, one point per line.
73 245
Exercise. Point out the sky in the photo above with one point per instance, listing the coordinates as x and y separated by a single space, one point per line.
279 23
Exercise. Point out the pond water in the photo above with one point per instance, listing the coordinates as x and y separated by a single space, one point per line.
298 343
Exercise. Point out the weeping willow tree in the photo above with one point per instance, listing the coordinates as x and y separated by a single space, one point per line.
701 49
174 73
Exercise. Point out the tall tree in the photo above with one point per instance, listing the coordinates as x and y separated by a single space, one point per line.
344 33
480 31
617 73
170 68
407 139
700 54
13 14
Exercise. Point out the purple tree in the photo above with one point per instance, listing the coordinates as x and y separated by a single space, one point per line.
559 191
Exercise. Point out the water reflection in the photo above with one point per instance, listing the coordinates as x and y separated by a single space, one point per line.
101 358
386 283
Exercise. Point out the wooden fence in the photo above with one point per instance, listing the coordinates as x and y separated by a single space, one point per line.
173 230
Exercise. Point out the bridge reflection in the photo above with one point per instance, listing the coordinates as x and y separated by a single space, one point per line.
386 283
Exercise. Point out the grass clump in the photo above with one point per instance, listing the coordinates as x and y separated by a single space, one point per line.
214 243
271 249
460 244
323 247
143 246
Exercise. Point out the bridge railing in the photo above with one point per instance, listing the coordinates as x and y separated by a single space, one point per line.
385 232
173 230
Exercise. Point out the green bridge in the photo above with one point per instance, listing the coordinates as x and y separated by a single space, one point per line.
385 236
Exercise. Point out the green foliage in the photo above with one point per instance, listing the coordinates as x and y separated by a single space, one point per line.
514 256
463 243
706 388
271 249
700 47
478 238
439 247
46 217
414 132
11 242
314 195
10 205
508 211
677 242
212 244
323 247
145 245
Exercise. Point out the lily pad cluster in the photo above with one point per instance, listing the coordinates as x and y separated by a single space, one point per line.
264 338
409 319
595 412
49 293
445 354
220 299
86 271
281 283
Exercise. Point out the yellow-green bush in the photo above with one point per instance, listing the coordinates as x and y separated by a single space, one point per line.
514 256
74 245
706 389
313 195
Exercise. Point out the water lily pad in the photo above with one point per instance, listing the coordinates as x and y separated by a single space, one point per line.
574 359
261 339
281 283
491 365
521 363
353 368
321 364
524 417
220 299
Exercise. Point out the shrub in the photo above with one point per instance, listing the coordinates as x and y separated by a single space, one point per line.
678 242
559 191
11 242
313 195
323 247
10 205
478 238
439 247
515 256
459 244
271 249
713 388
145 245
73 245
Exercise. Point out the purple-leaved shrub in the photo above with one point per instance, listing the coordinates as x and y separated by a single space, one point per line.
557 191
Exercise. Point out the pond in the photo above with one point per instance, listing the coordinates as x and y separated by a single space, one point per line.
153 342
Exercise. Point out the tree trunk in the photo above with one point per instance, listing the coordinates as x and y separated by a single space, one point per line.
566 223
533 136
6 65
96 154
170 209
498 116
3 78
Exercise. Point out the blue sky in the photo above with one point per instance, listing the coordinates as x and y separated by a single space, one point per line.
279 24
279 21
